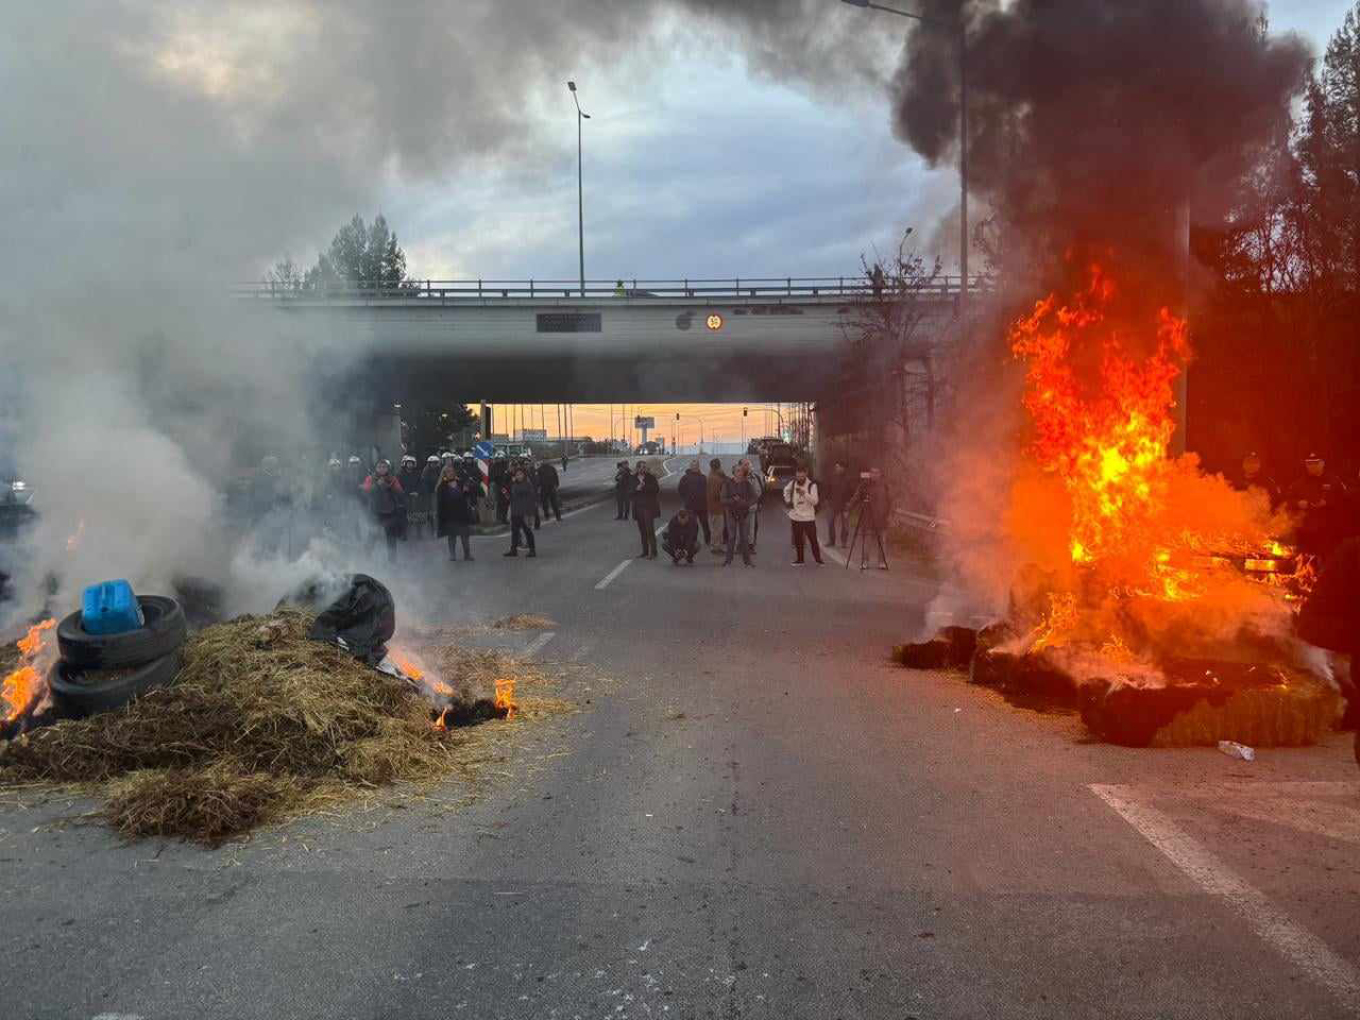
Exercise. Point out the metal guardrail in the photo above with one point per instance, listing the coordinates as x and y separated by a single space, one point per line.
595 290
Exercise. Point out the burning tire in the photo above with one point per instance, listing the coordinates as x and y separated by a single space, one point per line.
80 692
163 633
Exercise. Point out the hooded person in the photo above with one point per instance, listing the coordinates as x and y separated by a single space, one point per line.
453 512
717 478
681 538
386 503
693 491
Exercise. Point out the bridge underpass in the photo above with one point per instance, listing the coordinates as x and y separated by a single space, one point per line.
661 342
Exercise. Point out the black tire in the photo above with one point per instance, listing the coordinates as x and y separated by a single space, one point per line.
77 693
164 632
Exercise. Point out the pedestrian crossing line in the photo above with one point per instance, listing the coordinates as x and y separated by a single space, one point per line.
536 645
1304 949
604 583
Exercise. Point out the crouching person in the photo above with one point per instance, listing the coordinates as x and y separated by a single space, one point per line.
681 538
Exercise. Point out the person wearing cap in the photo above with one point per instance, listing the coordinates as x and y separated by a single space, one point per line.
1252 477
1319 502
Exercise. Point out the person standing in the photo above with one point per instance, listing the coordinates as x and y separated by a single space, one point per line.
548 483
523 503
740 494
623 493
1319 499
838 493
717 479
801 497
387 503
758 480
693 489
681 537
646 508
452 509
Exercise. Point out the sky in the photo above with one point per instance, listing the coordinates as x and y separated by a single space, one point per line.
710 170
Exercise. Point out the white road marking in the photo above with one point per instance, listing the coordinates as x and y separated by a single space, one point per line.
833 554
1308 952
612 574
536 645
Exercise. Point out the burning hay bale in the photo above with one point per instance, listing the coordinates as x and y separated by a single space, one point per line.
263 724
950 648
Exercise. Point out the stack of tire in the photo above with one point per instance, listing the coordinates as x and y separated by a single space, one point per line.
99 672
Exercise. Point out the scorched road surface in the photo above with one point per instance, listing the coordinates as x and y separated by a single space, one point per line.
753 815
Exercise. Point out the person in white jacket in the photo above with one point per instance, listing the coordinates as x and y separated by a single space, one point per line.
800 499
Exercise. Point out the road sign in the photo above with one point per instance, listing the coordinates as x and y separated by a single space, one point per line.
541 434
639 422
484 450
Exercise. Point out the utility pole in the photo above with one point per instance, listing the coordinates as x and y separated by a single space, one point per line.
580 193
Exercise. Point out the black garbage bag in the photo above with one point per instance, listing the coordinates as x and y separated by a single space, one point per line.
363 618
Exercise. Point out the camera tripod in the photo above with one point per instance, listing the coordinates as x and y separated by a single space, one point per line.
862 537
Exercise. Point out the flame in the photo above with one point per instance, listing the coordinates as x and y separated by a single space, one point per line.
405 664
1109 447
505 695
1133 543
23 688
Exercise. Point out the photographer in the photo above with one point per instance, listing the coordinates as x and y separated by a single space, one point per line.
801 498
874 504
740 495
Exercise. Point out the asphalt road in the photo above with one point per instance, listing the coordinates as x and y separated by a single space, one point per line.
752 815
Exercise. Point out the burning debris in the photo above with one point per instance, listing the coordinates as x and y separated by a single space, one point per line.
1153 596
264 723
24 694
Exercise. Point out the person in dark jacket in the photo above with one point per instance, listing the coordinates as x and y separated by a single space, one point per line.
548 483
386 503
681 537
500 488
717 479
646 508
1319 499
693 489
453 512
523 503
1252 477
429 477
623 490
837 495
741 493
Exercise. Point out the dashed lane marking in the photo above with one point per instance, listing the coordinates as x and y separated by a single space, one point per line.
536 645
1304 949
604 582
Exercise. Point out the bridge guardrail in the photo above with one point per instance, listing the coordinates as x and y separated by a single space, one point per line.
635 289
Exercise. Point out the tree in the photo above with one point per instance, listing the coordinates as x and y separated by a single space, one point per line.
431 429
361 255
889 387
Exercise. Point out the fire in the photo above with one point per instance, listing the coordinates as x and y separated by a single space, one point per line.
25 686
405 664
505 695
1128 542
1109 446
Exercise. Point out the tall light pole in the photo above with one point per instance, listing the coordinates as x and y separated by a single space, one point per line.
580 194
961 28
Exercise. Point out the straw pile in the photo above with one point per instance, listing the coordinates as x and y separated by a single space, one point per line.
523 621
263 724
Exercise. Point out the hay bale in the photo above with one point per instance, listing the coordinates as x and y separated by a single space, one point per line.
253 731
950 648
1031 678
1261 706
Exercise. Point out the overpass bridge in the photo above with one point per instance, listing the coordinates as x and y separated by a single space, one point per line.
537 341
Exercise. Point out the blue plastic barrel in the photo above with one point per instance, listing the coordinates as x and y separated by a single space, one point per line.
110 607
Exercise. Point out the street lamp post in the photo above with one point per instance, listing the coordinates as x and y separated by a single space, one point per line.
580 194
963 133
